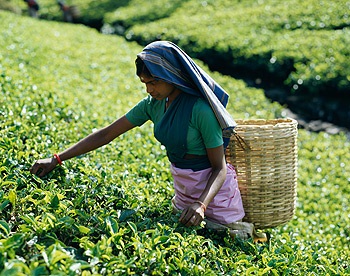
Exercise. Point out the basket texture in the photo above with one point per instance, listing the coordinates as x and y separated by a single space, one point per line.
264 153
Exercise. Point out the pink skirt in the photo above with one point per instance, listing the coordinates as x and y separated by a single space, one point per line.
225 208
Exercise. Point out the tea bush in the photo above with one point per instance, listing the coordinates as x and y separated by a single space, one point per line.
303 44
128 16
108 212
91 13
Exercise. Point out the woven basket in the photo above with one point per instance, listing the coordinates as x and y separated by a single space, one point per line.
264 153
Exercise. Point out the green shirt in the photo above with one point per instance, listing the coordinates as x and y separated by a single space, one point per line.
204 130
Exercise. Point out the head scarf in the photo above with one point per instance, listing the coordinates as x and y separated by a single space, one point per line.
166 61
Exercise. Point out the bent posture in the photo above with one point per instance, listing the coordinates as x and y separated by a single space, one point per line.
187 108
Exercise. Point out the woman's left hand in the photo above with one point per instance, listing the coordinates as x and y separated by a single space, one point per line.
193 215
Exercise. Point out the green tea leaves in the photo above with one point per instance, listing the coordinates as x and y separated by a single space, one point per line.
108 212
54 202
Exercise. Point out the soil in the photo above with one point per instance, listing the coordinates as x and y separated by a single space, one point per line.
330 114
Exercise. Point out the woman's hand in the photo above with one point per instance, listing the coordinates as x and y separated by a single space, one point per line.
43 166
193 215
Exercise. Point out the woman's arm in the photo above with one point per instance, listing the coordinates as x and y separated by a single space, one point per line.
194 214
89 143
218 163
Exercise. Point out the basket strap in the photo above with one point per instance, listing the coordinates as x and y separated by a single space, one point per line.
243 144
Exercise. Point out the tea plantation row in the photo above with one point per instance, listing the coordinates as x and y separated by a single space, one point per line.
108 212
303 44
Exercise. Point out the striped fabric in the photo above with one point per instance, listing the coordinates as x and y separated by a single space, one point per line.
166 61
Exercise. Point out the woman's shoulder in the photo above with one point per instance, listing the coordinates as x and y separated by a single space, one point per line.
202 106
202 113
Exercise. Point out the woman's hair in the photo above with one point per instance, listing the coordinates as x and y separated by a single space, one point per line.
141 68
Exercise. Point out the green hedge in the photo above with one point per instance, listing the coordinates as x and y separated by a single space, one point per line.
139 12
91 13
301 43
108 212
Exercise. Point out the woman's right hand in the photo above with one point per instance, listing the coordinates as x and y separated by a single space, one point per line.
193 215
89 143
43 166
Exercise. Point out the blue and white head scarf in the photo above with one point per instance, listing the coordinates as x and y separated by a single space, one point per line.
166 61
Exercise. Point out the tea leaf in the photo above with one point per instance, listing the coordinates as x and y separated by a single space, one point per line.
4 204
5 228
133 227
55 202
83 229
125 214
12 197
112 225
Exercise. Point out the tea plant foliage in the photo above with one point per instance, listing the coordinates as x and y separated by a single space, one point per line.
109 212
301 43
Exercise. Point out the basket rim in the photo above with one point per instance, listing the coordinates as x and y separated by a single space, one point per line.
265 122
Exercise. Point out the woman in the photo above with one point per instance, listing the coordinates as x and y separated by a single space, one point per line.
188 110
33 8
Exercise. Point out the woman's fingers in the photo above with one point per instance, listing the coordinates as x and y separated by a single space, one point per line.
41 172
185 216
34 169
42 167
194 220
38 170
190 218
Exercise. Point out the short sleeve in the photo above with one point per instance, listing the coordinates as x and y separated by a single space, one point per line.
138 115
205 121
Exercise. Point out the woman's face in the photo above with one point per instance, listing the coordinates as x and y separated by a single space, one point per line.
159 89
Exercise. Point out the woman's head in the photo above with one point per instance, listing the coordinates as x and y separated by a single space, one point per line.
157 88
141 68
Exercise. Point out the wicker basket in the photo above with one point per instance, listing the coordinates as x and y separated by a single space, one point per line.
264 153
